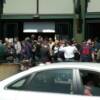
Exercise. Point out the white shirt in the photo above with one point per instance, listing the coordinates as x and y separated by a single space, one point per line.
56 49
68 51
18 47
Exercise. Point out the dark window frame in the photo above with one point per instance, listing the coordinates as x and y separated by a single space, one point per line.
79 80
58 69
31 75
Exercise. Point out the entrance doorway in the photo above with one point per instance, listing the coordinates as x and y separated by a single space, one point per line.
10 30
64 30
44 35
92 30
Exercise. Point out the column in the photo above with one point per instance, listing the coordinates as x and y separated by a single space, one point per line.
83 8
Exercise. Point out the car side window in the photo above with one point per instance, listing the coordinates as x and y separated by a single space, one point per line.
91 82
57 80
19 84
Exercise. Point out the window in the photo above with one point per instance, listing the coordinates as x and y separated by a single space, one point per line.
19 84
10 30
57 80
91 82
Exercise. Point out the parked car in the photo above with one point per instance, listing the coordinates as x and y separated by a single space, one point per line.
58 81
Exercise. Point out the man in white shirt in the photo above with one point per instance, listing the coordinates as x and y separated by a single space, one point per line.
17 46
69 51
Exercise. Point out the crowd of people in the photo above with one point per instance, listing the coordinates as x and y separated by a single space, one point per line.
43 50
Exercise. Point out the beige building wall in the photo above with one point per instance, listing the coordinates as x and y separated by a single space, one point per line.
7 70
94 6
19 7
56 7
45 7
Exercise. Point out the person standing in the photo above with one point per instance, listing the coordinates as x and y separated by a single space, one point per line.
44 53
2 52
69 51
17 46
98 56
86 52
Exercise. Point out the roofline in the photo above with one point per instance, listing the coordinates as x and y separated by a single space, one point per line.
92 15
40 16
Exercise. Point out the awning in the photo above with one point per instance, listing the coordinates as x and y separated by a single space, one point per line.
35 27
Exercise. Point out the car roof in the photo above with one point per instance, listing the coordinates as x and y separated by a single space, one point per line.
72 65
61 65
66 65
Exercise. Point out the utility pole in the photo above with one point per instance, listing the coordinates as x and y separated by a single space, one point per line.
83 12
36 16
1 12
1 8
74 19
77 21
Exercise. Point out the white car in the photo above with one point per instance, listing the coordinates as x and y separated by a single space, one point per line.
58 81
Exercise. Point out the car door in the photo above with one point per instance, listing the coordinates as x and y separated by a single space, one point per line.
88 83
10 91
47 84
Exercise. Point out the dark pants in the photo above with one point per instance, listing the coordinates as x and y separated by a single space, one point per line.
69 60
85 58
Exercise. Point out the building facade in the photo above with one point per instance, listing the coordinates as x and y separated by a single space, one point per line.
50 18
92 27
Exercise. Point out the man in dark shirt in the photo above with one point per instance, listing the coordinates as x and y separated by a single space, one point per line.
2 52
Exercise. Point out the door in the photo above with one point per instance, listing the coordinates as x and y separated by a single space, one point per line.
45 85
93 30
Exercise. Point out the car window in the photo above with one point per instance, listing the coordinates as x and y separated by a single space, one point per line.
19 84
91 82
57 80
